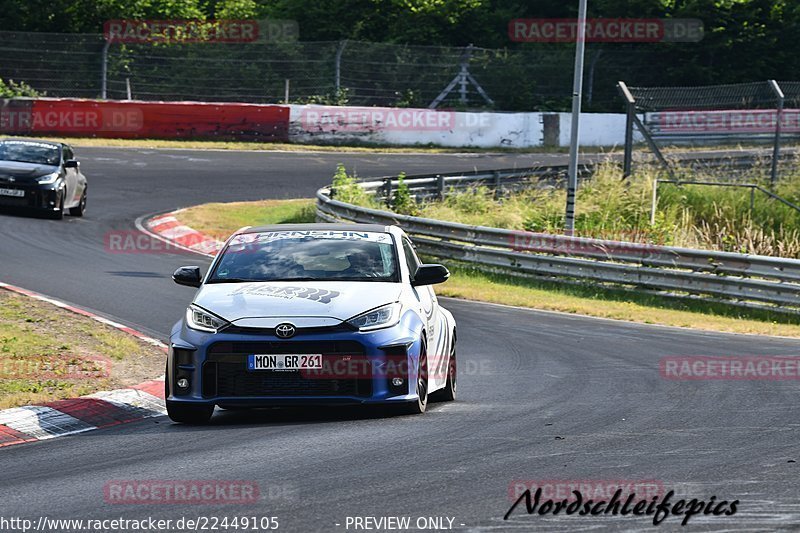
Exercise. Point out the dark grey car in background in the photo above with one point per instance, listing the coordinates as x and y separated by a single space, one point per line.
43 176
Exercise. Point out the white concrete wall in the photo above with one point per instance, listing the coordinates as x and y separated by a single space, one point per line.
393 126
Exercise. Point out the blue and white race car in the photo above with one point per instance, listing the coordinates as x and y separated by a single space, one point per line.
311 314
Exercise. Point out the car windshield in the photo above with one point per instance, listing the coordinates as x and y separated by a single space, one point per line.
30 152
308 256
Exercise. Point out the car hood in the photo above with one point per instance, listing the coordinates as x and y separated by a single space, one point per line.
305 304
18 170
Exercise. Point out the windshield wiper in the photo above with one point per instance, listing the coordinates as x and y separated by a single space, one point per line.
231 280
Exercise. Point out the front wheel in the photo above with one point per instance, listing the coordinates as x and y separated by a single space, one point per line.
187 413
59 214
79 209
418 406
448 393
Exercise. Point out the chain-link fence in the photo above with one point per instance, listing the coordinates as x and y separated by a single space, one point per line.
359 73
758 112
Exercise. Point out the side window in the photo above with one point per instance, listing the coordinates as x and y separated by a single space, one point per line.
412 260
68 153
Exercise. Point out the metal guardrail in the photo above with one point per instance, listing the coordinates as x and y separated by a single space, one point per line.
737 278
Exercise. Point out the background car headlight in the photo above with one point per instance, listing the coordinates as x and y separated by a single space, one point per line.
381 317
47 180
197 318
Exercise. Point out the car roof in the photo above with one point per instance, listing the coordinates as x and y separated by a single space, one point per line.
38 141
378 228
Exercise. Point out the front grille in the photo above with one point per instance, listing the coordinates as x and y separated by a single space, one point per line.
225 371
242 330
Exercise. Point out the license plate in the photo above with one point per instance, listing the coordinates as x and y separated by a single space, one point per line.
284 362
12 192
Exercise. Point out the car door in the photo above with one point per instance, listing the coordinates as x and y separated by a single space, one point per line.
429 305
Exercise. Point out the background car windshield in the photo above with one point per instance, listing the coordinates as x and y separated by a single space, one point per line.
308 255
23 152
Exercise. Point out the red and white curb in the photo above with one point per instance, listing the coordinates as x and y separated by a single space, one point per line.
76 415
169 229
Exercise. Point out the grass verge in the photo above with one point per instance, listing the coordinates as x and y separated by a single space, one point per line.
223 219
48 353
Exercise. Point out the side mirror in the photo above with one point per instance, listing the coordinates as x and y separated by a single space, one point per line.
430 275
188 275
71 163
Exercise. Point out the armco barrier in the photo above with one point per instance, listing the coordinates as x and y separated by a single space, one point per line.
151 120
740 279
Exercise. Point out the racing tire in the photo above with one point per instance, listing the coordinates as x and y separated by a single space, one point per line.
79 209
190 414
448 393
418 406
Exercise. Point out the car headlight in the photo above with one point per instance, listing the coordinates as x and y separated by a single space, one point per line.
381 317
200 319
48 179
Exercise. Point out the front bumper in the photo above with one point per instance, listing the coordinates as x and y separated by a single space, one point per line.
35 196
358 367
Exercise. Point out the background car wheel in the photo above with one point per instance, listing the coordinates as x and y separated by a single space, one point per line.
79 209
448 393
418 407
189 413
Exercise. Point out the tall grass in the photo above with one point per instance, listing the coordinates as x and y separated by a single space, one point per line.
696 216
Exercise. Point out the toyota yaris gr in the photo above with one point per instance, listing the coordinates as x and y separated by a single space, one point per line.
311 314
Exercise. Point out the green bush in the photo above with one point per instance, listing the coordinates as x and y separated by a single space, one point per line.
12 89
402 201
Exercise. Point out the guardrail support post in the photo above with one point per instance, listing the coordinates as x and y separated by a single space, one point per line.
440 187
387 190
497 182
776 151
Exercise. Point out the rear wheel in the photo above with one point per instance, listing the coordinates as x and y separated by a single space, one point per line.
79 209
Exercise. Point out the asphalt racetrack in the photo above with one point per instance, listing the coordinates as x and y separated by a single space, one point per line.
542 396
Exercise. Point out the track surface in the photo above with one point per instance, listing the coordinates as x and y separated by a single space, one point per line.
542 395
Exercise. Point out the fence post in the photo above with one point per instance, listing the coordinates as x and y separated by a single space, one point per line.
339 52
104 71
630 108
776 151
654 203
